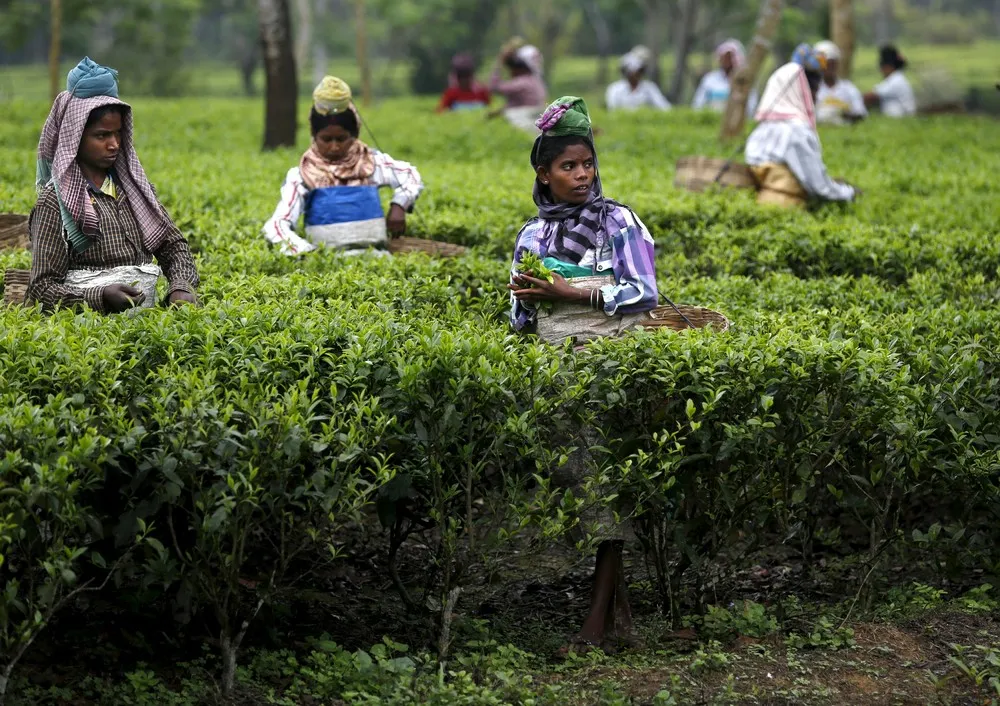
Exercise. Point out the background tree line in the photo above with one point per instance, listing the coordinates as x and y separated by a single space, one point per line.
164 42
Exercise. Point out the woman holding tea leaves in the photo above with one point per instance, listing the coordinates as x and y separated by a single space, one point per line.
784 150
97 224
337 181
583 268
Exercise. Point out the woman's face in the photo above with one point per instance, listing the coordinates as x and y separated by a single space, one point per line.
333 142
570 175
887 69
726 62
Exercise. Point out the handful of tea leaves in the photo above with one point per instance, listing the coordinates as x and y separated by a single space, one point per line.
530 262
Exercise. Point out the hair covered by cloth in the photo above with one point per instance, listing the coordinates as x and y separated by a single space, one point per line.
88 79
565 116
828 50
636 60
57 165
807 57
332 95
787 96
736 49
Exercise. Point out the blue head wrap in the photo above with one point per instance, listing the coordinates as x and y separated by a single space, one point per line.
806 57
89 79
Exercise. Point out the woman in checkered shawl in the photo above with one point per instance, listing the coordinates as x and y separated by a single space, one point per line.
96 210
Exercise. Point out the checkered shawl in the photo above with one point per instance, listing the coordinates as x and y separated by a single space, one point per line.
57 150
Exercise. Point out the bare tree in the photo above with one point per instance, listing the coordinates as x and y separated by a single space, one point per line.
655 27
884 17
303 32
683 41
842 29
768 20
602 35
281 120
55 46
319 56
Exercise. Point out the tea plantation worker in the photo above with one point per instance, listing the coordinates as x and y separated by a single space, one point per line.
634 90
784 150
893 95
579 233
593 242
464 92
713 91
838 101
337 181
525 90
97 223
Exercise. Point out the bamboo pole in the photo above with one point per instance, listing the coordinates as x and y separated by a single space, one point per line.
842 29
55 47
362 48
767 27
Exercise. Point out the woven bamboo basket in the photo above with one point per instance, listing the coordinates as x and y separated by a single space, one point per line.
699 173
13 231
698 316
15 286
434 248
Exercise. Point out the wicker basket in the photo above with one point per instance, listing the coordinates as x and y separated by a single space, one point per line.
699 173
698 316
431 247
13 231
15 286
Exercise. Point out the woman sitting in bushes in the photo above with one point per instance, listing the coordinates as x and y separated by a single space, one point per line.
784 151
97 224
599 275
337 181
599 254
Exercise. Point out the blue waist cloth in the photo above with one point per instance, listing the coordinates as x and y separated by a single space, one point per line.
331 205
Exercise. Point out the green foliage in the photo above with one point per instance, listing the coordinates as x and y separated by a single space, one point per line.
849 406
532 264
746 618
825 634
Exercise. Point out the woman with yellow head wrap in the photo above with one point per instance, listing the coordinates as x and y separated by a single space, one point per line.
335 186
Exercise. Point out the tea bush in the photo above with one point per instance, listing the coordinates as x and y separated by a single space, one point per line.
221 458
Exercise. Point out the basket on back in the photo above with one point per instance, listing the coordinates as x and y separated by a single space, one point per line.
15 286
433 248
13 231
699 173
685 317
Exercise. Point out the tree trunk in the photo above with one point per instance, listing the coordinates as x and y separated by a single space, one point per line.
361 29
249 58
281 120
319 55
602 36
303 33
742 82
682 48
883 22
229 650
842 29
655 11
55 47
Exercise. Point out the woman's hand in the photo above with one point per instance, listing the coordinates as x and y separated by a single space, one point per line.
531 289
179 296
121 297
396 220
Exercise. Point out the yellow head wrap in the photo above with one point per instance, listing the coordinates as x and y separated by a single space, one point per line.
332 95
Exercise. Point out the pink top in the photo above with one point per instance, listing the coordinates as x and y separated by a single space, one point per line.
521 91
